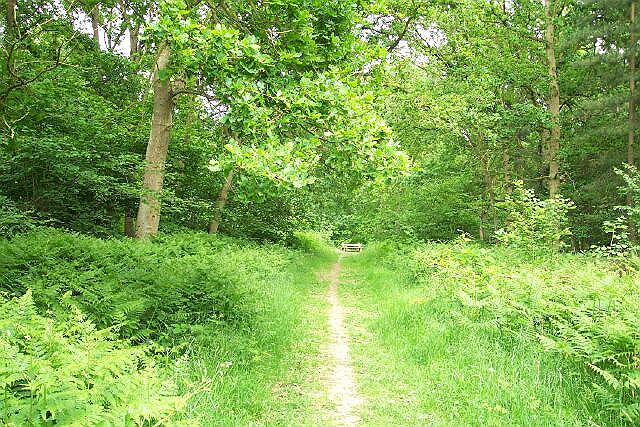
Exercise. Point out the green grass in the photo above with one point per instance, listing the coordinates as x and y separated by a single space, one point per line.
420 361
444 335
247 320
267 374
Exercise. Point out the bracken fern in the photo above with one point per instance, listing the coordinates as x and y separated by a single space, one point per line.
62 370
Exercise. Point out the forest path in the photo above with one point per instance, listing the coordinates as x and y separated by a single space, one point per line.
340 382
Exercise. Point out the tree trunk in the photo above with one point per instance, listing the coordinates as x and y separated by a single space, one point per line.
157 147
489 192
134 36
134 29
553 145
11 16
221 202
95 23
632 109
482 231
129 223
506 166
543 175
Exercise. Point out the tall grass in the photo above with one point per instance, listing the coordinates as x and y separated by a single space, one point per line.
240 317
478 336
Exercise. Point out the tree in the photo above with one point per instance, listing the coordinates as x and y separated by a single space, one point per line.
230 65
11 16
221 202
552 148
632 105
149 210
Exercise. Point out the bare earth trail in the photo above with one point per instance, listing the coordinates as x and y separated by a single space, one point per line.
340 383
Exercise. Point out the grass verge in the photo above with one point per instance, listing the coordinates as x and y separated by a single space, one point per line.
267 374
235 326
420 361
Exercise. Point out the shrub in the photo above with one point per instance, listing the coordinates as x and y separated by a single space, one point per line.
620 248
314 242
631 177
534 224
13 220
62 370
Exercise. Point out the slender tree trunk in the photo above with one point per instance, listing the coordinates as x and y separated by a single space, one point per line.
11 16
129 223
489 197
553 145
543 175
492 205
221 202
134 40
95 24
134 29
632 109
489 191
157 147
506 166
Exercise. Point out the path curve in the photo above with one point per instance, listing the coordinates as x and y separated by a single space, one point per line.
342 386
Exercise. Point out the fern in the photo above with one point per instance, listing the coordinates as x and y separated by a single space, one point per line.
142 287
64 370
577 306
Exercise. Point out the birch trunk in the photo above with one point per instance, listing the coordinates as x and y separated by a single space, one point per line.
221 202
157 147
553 145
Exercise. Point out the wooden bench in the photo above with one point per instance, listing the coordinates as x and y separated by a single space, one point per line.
351 247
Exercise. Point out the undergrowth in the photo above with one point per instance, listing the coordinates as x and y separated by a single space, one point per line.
579 307
61 370
313 242
186 328
147 289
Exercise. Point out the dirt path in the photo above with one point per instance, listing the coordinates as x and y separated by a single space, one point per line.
341 383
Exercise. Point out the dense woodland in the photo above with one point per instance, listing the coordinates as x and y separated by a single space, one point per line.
174 173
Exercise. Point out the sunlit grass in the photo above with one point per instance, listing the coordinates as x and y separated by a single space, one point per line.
421 362
267 374
446 335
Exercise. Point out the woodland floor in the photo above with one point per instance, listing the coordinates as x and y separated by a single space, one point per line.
377 363
369 346
330 339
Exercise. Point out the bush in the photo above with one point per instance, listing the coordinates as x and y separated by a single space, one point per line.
313 242
534 224
62 370
631 177
620 249
13 220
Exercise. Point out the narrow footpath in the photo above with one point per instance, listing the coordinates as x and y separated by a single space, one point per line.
341 384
